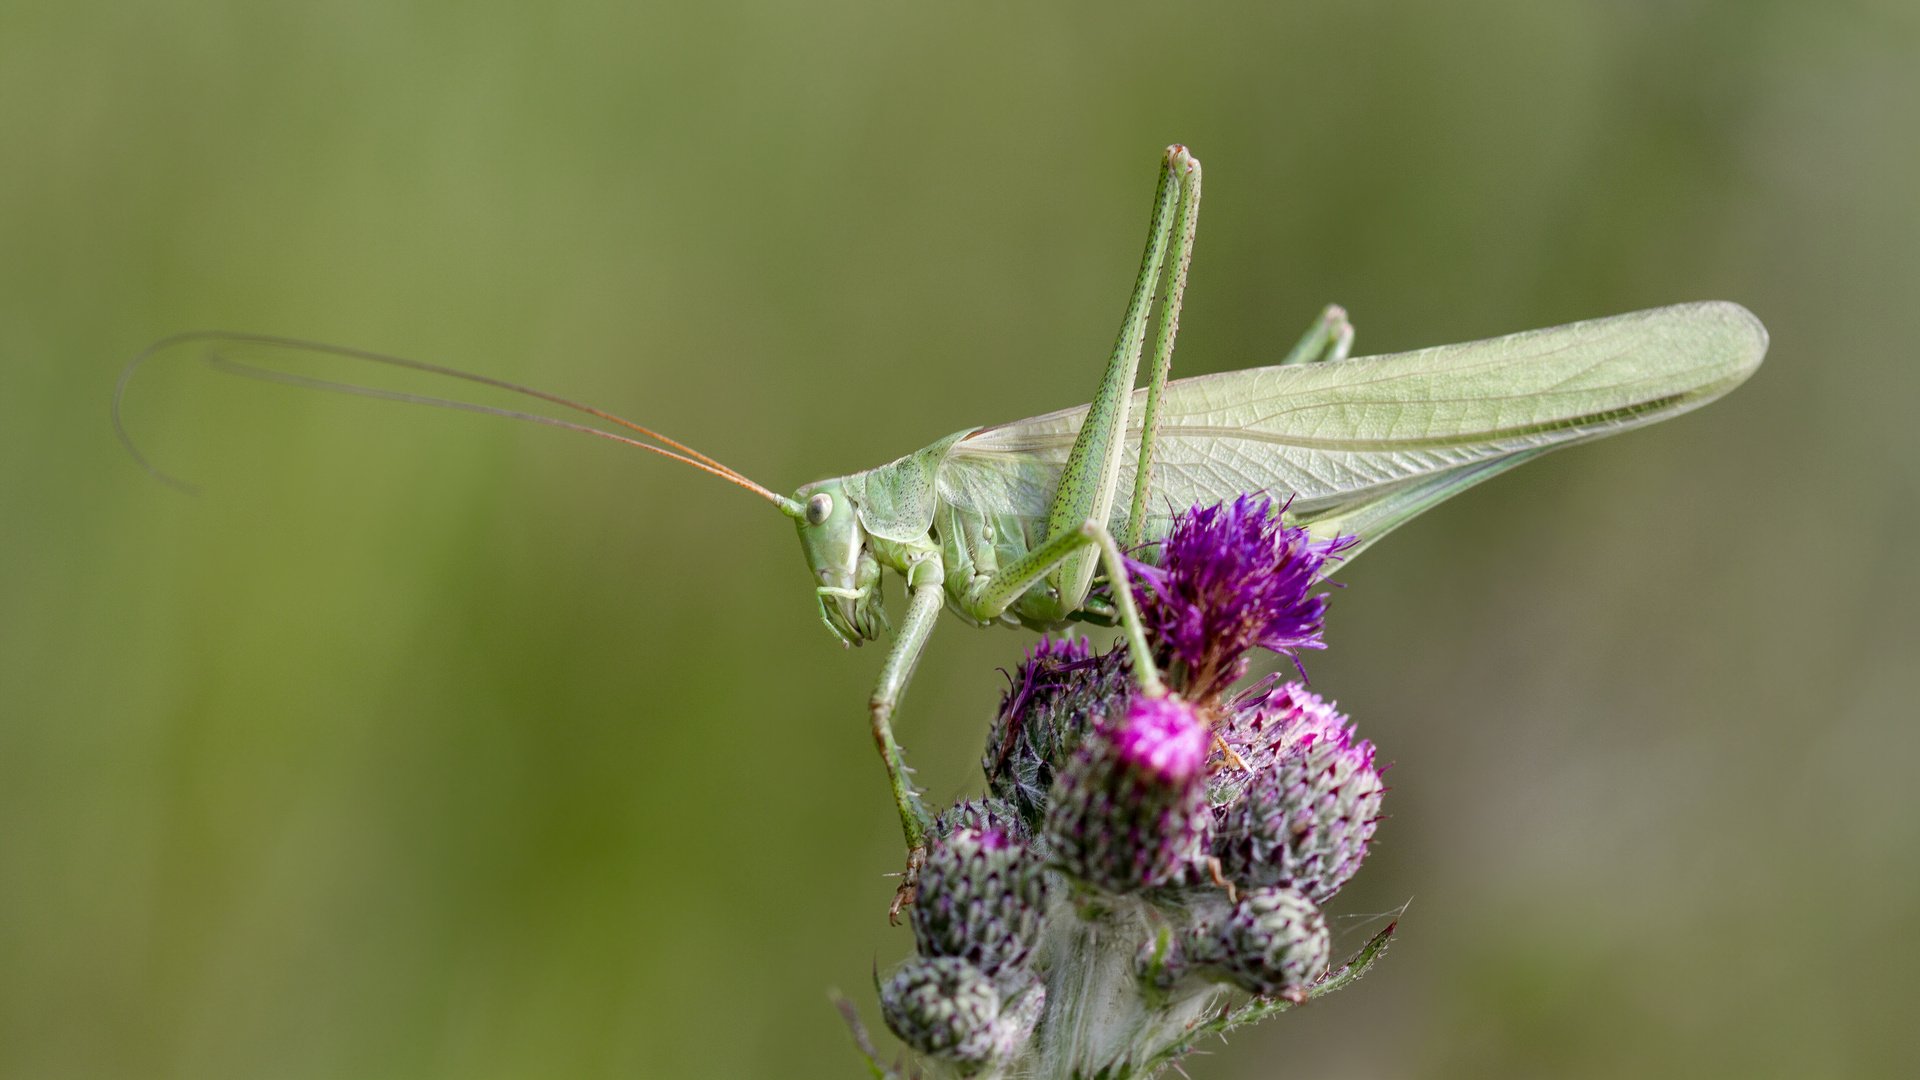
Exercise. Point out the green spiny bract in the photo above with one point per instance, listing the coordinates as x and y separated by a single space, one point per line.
988 813
1060 691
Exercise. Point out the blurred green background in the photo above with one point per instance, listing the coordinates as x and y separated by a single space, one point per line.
426 745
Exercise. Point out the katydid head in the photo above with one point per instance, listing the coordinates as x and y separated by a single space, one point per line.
846 575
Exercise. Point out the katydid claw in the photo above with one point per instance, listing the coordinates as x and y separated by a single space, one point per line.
909 887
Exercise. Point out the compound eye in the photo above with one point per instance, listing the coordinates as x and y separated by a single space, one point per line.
819 508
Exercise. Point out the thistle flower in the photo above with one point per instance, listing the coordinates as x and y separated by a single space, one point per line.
1312 802
1120 789
943 1006
982 896
1130 812
1275 942
1060 690
1232 577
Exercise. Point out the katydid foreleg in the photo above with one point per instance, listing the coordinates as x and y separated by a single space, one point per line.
923 610
985 602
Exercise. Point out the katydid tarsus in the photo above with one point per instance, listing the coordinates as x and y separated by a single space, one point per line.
1010 525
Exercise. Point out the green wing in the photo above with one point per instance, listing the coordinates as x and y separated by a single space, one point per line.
1363 444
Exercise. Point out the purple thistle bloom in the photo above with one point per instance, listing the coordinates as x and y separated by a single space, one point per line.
1232 577
1265 724
1130 811
1162 738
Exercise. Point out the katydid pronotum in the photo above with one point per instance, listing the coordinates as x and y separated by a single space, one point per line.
1010 525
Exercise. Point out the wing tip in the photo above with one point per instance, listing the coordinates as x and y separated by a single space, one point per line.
1743 338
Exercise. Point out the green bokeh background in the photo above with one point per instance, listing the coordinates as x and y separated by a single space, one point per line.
424 745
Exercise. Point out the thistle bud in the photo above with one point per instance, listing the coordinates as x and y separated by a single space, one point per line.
943 1006
982 896
1305 816
1060 691
1274 942
1130 810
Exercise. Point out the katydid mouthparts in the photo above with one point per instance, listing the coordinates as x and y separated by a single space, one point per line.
1010 525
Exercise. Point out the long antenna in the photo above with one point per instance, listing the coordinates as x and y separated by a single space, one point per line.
214 359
